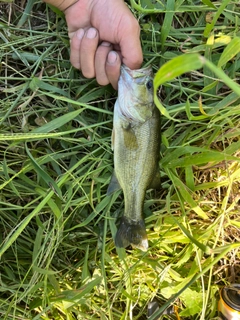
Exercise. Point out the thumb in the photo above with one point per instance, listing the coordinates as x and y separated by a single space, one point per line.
130 45
131 52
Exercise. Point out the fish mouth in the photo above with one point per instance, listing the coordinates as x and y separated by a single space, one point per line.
138 75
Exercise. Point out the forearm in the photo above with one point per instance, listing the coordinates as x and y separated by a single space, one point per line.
61 4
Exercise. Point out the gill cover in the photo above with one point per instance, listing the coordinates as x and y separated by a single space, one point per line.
135 94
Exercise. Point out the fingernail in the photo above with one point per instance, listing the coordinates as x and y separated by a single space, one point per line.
105 44
91 33
80 34
112 57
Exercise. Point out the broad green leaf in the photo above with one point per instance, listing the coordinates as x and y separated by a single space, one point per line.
171 70
232 49
193 302
177 66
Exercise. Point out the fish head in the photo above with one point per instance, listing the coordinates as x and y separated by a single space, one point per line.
135 93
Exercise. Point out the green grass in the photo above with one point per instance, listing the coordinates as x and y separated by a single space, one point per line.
57 255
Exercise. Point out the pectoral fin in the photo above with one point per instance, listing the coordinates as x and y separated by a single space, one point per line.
113 185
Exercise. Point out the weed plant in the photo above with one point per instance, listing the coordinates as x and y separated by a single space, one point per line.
57 255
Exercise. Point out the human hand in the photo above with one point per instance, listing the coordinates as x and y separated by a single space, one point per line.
103 35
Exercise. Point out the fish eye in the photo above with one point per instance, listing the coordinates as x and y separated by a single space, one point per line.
149 84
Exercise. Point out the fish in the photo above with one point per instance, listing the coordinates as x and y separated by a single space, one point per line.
135 144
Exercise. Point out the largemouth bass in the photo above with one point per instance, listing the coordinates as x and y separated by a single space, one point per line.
135 142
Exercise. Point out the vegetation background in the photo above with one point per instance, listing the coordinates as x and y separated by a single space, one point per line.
57 255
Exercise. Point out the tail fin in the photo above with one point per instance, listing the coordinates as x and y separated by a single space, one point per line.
131 232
